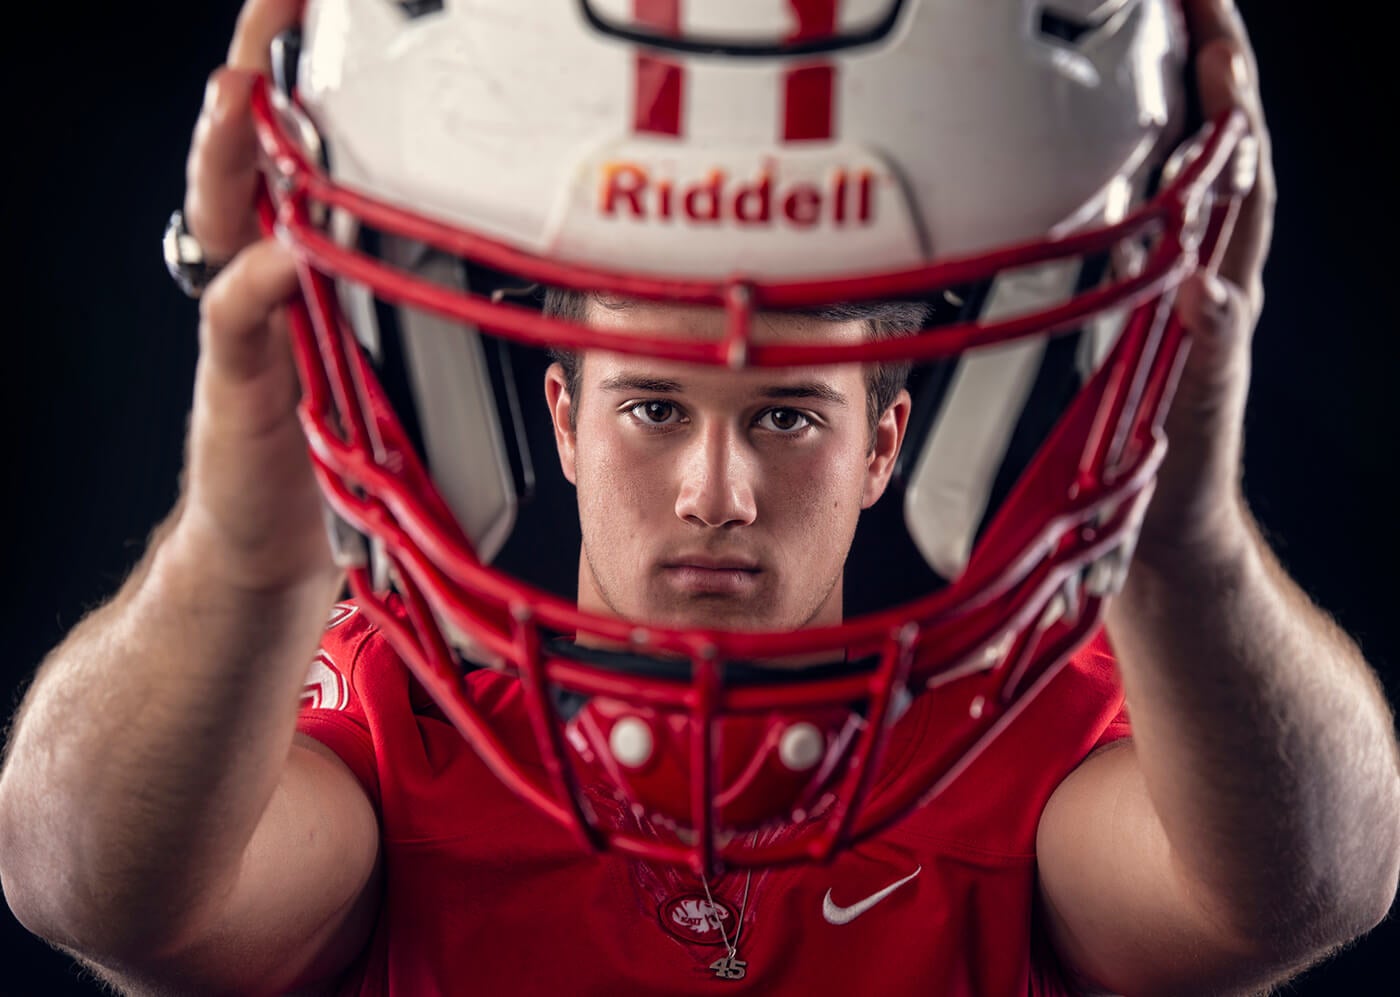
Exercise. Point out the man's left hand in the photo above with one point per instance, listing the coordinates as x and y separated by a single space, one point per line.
1197 511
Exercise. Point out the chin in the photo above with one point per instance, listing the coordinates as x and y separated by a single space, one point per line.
715 614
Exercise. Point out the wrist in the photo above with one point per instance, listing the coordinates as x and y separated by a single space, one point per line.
1202 567
200 554
192 566
1199 542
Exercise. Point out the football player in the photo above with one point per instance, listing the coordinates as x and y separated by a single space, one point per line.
791 258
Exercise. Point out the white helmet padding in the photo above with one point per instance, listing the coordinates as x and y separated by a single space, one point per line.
994 412
463 396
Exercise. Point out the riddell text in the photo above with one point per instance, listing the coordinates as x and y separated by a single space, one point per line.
631 191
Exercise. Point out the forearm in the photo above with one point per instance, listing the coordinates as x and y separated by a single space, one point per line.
148 748
1265 740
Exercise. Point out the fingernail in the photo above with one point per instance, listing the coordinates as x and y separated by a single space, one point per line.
1244 170
211 89
220 94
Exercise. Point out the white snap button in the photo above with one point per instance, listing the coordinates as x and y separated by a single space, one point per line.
801 746
630 741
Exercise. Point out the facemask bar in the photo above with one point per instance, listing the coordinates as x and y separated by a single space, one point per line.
999 631
1174 216
981 631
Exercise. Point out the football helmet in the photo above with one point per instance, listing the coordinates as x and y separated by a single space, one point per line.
1023 167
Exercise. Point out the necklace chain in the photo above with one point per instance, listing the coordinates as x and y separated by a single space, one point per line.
732 947
731 967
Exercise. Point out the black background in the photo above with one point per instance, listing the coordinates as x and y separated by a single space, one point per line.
99 347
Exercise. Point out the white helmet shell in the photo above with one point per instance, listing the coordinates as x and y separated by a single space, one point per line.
541 125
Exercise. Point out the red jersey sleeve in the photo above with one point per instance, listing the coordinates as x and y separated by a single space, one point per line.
332 710
1120 726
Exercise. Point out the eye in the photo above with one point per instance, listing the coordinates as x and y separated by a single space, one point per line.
784 420
655 413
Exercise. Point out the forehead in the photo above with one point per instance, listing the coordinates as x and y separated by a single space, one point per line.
700 322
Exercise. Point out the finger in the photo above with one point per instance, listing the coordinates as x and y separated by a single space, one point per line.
1217 316
1205 421
221 175
1226 81
1226 70
236 335
1206 417
259 22
222 171
1212 20
1227 74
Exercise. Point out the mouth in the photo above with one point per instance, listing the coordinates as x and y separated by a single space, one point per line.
712 576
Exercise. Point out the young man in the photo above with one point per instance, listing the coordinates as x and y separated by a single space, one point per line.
673 464
184 838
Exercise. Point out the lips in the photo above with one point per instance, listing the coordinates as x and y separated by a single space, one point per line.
712 563
706 574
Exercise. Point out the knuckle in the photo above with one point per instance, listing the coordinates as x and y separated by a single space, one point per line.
218 298
215 88
225 96
212 303
196 218
1254 298
218 220
1266 187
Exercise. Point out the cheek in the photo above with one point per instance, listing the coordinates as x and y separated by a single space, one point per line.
619 482
822 493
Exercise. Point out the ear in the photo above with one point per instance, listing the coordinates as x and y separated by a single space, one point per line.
889 437
561 407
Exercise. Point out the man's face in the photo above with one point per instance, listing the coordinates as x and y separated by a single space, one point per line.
714 498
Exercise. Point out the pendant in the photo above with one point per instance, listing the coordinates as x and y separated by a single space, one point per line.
730 967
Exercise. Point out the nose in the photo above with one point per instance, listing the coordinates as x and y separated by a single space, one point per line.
717 479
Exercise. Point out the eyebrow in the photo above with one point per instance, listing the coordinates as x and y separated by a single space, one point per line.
664 386
635 382
807 389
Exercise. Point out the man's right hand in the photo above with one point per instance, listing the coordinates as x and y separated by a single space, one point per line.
159 814
251 505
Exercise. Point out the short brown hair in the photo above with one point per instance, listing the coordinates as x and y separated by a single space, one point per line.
884 320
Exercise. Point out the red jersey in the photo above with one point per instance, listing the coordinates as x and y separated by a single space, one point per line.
484 895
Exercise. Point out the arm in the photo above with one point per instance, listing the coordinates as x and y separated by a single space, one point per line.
156 815
1253 823
158 818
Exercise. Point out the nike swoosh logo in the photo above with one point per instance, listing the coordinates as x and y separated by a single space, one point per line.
836 914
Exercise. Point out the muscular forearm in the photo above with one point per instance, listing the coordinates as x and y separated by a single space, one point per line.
1265 741
148 748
